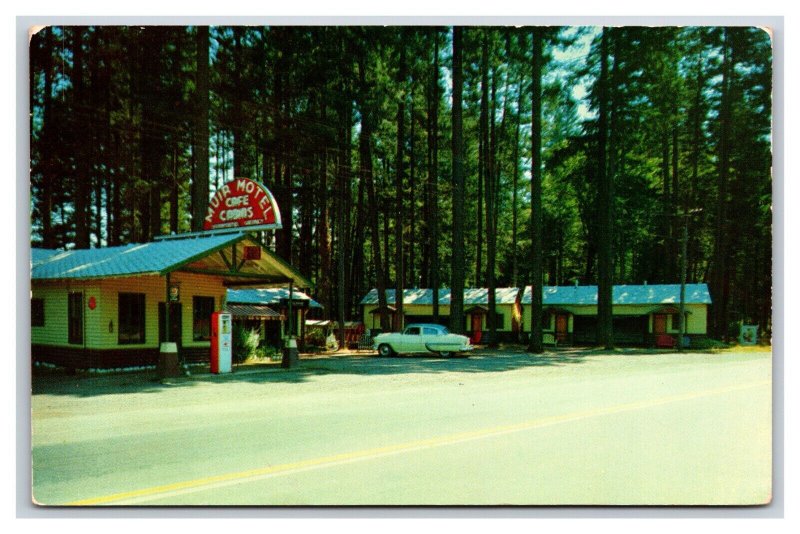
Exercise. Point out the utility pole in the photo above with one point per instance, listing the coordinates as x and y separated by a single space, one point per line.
682 317
684 246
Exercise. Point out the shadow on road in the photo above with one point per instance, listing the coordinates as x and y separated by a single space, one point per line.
56 382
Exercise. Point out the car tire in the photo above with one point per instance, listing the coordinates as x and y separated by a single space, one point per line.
445 354
385 350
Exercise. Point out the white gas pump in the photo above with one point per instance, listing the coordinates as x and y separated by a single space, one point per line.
221 342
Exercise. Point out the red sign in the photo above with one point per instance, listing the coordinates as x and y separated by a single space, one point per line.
242 203
252 253
92 303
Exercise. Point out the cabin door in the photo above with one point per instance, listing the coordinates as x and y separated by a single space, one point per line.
659 324
562 322
477 323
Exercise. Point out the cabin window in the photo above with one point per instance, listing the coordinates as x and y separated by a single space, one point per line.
75 318
131 318
546 321
499 321
676 317
202 308
37 312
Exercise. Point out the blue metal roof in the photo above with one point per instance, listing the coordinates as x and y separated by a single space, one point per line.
472 296
622 294
268 296
129 260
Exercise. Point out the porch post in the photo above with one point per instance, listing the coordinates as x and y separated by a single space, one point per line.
682 312
167 364
290 356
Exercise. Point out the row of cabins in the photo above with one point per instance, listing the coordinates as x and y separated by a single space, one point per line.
642 314
107 307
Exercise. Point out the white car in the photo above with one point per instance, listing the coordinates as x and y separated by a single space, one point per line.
418 338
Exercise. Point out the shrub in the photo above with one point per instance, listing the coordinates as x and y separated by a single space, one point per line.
245 343
706 343
315 339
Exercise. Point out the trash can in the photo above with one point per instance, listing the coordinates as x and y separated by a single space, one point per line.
168 360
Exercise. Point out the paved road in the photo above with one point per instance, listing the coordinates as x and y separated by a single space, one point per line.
502 428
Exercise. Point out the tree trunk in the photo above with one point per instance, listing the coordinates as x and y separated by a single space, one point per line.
605 218
98 122
666 207
152 138
201 105
457 257
83 150
342 204
357 261
324 241
719 271
365 157
483 164
535 344
433 179
399 271
491 175
48 142
412 212
238 99
173 194
514 191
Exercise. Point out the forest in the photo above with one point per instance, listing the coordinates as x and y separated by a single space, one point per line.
424 156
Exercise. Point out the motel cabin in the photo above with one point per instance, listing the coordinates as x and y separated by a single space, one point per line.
107 307
642 314
418 308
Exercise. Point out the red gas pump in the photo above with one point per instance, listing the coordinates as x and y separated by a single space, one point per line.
221 342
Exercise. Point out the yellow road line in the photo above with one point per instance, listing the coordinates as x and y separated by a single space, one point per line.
140 495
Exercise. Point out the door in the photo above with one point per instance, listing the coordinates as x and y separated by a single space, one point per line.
659 324
429 335
413 340
562 327
477 324
175 322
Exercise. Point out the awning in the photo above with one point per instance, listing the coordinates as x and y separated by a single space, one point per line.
477 309
254 311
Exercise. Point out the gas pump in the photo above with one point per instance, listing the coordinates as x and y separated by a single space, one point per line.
221 342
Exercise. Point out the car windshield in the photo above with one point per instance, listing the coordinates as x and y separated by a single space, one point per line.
445 330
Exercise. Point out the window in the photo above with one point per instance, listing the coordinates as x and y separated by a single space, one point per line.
412 331
499 321
202 308
131 318
676 317
75 318
546 321
430 332
37 312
